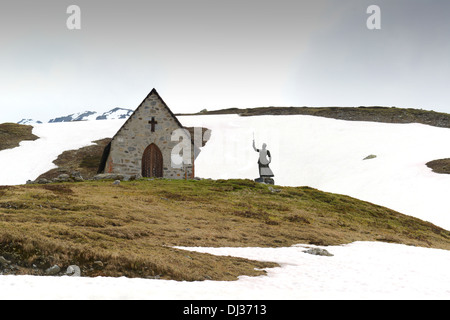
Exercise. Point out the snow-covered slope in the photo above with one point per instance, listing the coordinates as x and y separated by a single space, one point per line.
113 114
79 116
323 153
361 270
29 122
328 154
32 158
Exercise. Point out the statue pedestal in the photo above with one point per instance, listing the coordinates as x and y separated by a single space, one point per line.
266 180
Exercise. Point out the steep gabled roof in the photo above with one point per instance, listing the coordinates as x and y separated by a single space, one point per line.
153 92
108 147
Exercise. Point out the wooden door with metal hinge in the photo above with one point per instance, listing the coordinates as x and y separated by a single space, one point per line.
152 162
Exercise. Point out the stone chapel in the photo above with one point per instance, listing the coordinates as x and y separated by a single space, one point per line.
144 145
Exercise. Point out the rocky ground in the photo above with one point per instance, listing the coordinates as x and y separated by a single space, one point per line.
12 263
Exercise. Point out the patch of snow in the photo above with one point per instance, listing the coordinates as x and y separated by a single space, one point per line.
328 154
33 158
115 114
360 270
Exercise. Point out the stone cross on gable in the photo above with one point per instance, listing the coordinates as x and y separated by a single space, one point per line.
153 123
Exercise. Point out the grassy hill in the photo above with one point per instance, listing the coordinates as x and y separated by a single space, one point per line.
11 134
130 229
373 114
440 166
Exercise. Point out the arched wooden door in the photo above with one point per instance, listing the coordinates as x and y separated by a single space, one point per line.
152 162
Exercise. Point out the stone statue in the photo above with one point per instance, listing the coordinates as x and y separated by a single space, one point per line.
265 173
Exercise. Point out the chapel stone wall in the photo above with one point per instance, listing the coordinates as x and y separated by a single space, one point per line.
128 145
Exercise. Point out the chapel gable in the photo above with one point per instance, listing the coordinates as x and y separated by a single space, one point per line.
144 144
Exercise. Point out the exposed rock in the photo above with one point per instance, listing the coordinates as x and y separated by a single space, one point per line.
318 252
53 270
112 176
63 177
73 271
371 156
273 190
76 176
109 176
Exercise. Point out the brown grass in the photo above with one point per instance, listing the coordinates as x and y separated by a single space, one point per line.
362 113
132 228
440 166
11 134
85 160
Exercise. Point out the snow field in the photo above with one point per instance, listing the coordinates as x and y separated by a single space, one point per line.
307 151
327 154
361 270
33 158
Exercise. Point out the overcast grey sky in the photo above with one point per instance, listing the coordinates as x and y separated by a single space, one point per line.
219 54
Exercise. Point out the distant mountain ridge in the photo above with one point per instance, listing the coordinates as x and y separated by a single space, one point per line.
362 113
113 114
29 122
